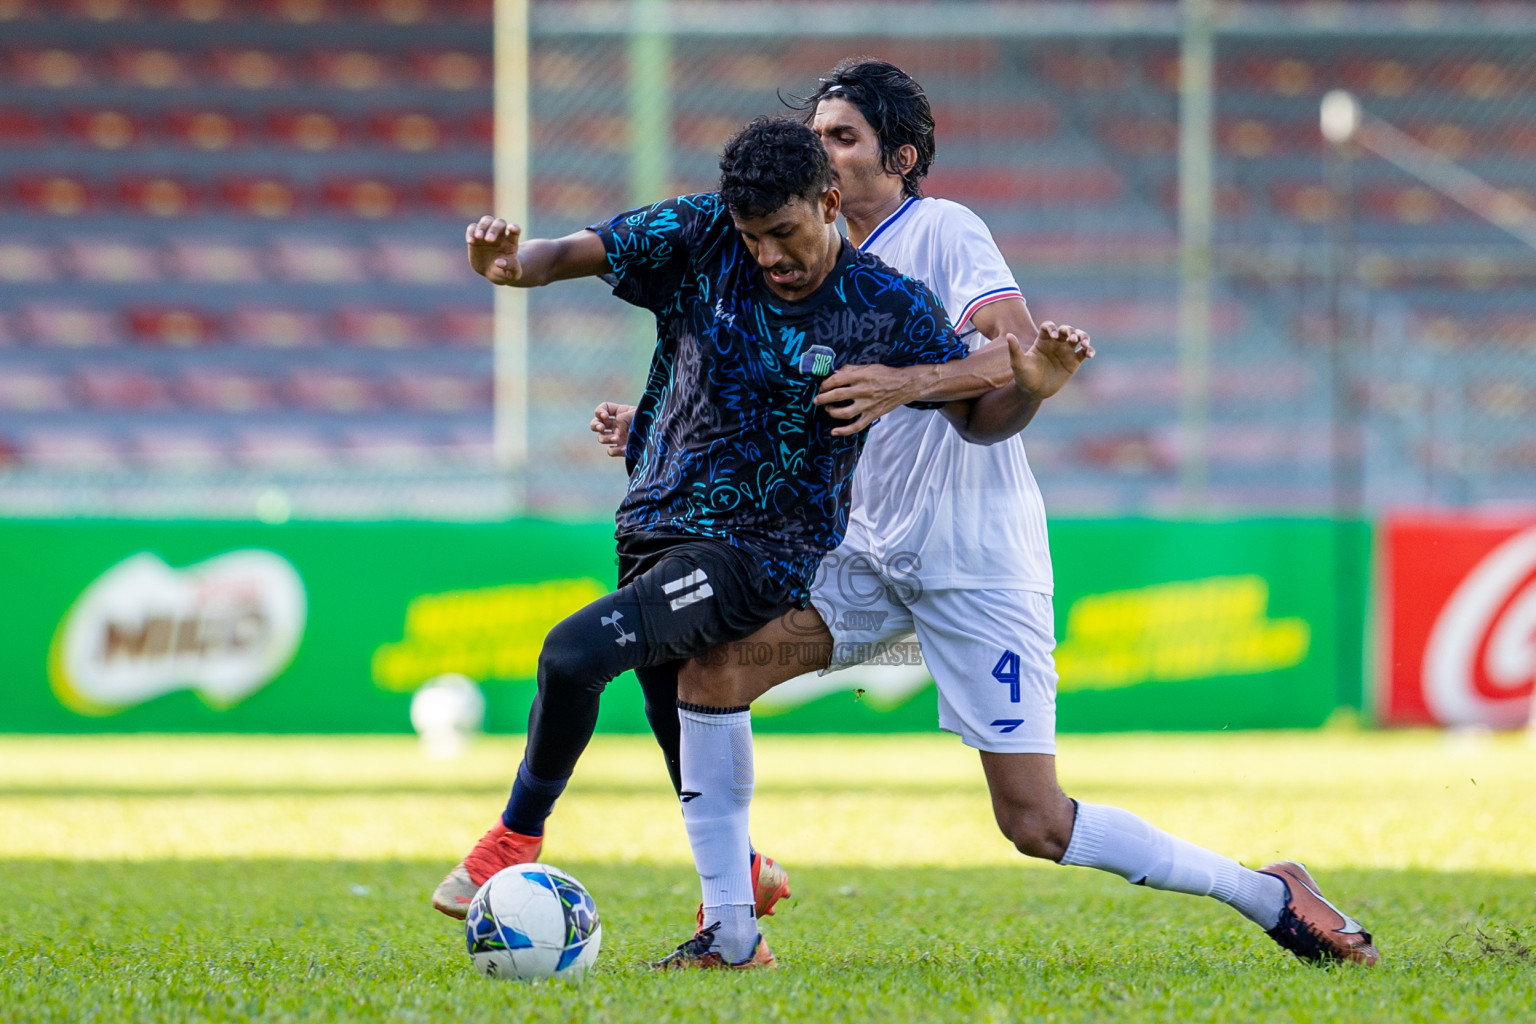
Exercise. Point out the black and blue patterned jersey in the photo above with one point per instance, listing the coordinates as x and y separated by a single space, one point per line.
726 441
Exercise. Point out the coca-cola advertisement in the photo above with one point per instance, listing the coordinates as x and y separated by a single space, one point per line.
1458 617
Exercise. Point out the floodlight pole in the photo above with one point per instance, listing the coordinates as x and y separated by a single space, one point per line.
650 101
1197 157
510 325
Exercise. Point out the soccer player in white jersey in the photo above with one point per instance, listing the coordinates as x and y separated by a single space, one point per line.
948 539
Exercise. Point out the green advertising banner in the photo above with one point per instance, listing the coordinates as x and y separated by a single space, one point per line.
330 627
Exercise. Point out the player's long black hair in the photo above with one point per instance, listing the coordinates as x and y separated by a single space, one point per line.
894 105
769 162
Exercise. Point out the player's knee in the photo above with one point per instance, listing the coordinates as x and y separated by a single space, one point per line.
1036 830
569 659
709 681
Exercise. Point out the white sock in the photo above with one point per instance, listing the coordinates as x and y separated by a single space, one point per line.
1119 842
717 802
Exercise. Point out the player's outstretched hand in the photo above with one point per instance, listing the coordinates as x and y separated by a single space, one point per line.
861 393
1051 361
493 249
611 425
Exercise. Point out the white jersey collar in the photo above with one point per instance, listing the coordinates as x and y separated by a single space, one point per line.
888 222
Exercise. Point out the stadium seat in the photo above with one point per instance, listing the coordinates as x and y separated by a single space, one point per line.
315 131
352 70
179 450
464 328
20 128
202 11
409 131
284 448
102 260
1137 452
268 198
122 389
53 68
58 195
370 327
1018 121
404 12
1036 185
214 262
151 68
1409 205
367 198
466 198
69 449
55 326
319 262
21 263
159 196
454 70
251 69
262 327
420 264
208 130
23 390
390 448
172 326
323 390
429 392
227 391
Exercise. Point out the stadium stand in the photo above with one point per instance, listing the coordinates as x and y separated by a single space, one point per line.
232 242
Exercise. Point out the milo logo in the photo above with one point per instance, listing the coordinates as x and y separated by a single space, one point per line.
222 628
1480 661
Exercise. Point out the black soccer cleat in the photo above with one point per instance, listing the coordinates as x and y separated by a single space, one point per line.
1314 929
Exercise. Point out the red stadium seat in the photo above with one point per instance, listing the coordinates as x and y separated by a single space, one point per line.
316 131
1139 136
172 327
231 391
319 390
609 133
54 68
1129 452
466 198
320 262
298 12
368 327
404 12
24 390
105 129
275 328
122 389
1077 72
251 69
454 70
152 68
20 128
1286 75
1066 185
52 326
482 130
368 198
208 130
1410 205
267 198
412 132
464 328
353 70
1386 77
104 261
104 11
1017 121
201 11
1303 200
159 197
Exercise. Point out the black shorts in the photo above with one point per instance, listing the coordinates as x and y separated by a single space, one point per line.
696 593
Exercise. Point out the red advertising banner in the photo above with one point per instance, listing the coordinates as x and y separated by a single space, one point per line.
1458 621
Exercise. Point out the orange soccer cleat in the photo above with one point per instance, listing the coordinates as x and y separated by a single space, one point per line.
498 848
1314 929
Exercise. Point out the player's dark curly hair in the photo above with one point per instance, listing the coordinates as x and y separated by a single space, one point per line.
769 162
894 105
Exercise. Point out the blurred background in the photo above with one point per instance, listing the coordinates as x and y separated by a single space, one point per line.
232 289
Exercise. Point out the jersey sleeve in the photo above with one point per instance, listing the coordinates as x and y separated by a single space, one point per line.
923 331
649 247
973 272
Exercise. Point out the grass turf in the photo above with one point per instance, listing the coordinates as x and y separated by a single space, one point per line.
150 878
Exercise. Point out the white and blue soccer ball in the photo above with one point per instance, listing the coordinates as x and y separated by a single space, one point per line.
532 921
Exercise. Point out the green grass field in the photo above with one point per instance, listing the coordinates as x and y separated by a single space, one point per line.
157 878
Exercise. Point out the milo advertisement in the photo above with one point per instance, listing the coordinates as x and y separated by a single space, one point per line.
331 627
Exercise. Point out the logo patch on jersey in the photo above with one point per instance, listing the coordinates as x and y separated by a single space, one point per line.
623 636
817 361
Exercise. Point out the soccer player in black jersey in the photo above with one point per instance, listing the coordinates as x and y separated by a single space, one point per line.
738 484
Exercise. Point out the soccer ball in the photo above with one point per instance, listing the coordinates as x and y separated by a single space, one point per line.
532 921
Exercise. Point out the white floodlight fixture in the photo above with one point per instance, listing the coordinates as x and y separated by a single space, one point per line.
1339 116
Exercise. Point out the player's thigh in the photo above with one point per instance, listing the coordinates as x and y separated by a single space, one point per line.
697 596
864 610
743 670
990 655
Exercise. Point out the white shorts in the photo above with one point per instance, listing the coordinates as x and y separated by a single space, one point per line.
989 651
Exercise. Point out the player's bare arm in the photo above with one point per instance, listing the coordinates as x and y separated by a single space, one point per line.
1038 373
610 422
498 254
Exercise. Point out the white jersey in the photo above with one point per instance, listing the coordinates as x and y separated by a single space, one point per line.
971 513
